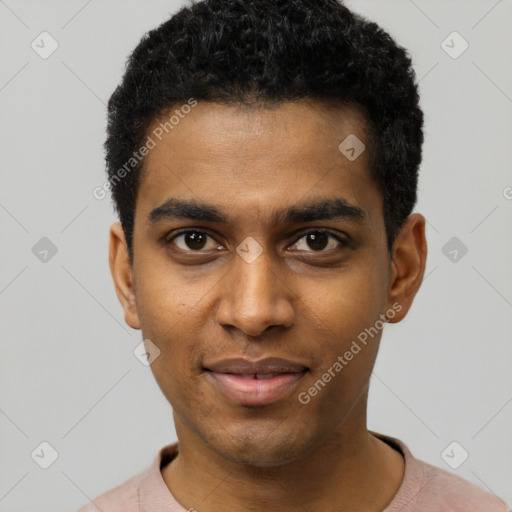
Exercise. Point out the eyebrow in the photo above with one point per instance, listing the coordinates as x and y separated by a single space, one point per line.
327 209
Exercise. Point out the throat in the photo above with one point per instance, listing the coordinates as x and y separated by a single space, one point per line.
368 481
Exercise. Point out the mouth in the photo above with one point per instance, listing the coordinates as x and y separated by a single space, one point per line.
255 382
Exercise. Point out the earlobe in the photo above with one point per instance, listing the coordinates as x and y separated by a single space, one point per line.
408 260
122 275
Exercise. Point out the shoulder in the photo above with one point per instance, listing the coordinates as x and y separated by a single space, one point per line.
122 498
427 487
450 492
144 487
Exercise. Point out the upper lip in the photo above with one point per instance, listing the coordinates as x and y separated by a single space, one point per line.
242 366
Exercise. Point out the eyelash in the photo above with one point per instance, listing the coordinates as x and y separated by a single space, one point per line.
334 235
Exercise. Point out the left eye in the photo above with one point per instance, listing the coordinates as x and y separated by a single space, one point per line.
318 241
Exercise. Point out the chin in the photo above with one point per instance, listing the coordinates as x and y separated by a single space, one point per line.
260 447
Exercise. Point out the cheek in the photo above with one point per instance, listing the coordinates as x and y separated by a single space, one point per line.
348 303
163 301
168 318
345 312
174 330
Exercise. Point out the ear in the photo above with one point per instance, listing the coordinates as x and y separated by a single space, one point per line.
408 260
122 275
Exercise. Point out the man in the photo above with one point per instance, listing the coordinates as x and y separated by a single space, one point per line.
263 158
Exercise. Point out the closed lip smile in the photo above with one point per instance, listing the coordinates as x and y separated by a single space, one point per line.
259 382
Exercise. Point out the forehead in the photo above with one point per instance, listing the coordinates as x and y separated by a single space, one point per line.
257 158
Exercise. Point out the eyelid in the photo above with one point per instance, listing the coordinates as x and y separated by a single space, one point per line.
169 238
337 236
298 236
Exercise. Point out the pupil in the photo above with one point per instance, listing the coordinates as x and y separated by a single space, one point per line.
317 241
195 240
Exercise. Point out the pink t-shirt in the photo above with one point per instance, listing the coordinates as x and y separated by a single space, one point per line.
425 488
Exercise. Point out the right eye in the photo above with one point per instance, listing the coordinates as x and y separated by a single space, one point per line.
192 240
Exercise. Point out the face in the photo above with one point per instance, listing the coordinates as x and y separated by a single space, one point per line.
260 259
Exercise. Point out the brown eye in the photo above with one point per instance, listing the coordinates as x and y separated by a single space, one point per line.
319 241
192 240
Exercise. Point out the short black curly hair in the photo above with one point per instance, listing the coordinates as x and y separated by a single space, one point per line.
270 51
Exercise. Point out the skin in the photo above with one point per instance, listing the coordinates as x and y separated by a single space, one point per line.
294 301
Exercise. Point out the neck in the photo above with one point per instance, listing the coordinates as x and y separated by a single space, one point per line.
351 471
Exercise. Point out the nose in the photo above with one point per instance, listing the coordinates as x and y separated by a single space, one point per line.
255 297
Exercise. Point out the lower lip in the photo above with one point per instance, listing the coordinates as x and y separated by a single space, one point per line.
250 391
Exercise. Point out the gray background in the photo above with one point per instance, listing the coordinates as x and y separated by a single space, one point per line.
68 374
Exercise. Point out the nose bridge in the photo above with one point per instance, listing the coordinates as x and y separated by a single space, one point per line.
255 279
257 298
